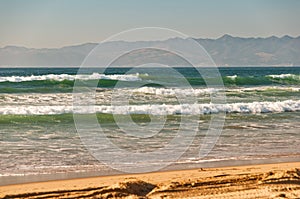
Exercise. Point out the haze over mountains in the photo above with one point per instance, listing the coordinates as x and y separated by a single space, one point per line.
225 51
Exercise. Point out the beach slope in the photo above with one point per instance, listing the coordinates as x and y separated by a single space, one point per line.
253 181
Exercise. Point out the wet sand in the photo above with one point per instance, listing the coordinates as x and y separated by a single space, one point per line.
254 181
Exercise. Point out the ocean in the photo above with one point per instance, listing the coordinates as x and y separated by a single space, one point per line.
39 137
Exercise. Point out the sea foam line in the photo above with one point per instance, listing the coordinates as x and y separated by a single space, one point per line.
197 91
186 109
281 76
61 77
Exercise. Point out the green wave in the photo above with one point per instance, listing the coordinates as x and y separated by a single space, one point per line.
48 86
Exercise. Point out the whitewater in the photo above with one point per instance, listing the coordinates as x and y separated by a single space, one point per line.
185 109
39 136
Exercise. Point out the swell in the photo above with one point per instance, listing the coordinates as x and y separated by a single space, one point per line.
65 83
283 79
60 82
48 86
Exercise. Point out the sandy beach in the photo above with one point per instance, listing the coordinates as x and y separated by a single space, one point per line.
149 99
254 181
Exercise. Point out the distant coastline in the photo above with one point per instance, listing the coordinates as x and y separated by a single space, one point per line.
226 51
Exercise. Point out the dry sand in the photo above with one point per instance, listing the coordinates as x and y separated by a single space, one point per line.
254 181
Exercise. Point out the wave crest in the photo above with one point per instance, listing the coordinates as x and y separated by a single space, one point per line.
62 77
185 109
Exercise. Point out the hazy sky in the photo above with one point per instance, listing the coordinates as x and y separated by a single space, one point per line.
56 23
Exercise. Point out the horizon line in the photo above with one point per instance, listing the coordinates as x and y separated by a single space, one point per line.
218 38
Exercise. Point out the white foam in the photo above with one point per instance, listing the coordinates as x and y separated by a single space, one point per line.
233 77
199 91
174 91
142 95
188 109
61 77
265 88
283 76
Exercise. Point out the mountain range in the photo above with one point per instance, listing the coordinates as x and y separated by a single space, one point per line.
225 51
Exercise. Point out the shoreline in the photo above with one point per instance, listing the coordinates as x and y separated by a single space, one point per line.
102 170
258 180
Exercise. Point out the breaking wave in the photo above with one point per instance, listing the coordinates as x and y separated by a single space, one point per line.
65 82
62 77
282 79
185 109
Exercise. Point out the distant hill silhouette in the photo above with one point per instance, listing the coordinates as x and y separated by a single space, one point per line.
225 51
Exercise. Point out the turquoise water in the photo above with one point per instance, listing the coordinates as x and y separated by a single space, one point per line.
47 80
38 134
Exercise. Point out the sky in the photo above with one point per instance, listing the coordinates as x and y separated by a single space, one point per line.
57 23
